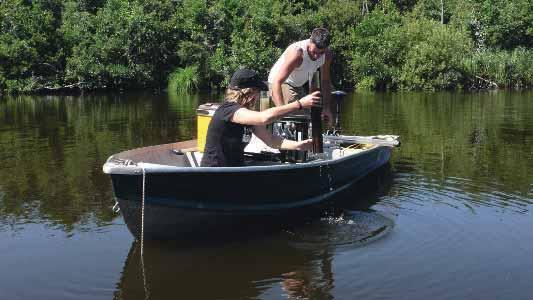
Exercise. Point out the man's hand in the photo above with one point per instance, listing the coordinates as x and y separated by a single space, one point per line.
310 100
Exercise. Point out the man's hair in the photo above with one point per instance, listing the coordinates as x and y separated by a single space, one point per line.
320 37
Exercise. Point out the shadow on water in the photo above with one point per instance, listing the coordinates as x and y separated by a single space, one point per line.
295 261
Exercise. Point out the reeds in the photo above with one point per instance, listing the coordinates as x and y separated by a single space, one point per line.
511 69
184 79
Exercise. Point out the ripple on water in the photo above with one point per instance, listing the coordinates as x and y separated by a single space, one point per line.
350 228
422 189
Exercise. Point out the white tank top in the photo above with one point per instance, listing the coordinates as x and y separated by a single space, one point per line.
300 75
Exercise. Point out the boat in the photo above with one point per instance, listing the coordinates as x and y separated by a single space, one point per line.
163 193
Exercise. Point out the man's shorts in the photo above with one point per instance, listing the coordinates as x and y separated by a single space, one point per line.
290 93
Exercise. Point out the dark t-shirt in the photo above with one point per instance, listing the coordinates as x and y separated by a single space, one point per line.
225 142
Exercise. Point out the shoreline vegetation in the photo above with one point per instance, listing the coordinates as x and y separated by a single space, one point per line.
53 46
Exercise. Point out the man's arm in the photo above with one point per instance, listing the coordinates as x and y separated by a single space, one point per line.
326 86
294 58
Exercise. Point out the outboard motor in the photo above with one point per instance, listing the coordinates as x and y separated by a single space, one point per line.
337 97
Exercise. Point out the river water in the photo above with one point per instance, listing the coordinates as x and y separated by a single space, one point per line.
451 217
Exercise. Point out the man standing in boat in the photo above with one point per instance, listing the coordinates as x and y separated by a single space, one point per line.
289 74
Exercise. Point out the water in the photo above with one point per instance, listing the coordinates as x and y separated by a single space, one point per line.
449 218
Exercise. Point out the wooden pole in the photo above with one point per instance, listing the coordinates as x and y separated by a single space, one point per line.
316 114
442 11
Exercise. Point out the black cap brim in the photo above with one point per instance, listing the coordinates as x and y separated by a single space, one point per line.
263 86
246 78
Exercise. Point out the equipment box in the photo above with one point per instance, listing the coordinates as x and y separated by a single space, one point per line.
204 113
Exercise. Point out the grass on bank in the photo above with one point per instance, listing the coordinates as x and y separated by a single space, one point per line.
506 69
184 80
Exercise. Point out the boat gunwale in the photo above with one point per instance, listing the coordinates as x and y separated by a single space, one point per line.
137 168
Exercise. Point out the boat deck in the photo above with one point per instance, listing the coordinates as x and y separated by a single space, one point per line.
165 154
185 154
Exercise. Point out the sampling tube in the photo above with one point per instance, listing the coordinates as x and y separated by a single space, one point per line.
316 113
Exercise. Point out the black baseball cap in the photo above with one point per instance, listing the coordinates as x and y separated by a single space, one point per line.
245 78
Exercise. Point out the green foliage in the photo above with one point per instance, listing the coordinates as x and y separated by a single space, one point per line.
434 9
367 83
389 51
184 79
434 59
336 15
227 35
507 24
375 49
126 44
385 44
29 44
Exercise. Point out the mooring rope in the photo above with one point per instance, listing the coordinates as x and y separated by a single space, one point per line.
146 293
142 210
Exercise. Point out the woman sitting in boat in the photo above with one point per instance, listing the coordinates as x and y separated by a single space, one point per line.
234 121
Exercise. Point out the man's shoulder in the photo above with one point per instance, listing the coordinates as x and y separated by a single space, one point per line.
299 45
296 52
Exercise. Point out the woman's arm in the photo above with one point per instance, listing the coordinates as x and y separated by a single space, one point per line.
250 117
280 143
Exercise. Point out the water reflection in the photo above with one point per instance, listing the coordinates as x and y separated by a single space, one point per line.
236 271
478 136
475 148
462 150
52 149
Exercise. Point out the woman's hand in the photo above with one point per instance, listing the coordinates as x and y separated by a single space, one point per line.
287 144
306 145
310 100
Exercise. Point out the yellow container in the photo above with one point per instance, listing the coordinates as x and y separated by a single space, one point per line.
204 114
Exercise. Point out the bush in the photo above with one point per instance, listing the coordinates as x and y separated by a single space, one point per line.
125 44
29 43
375 49
434 58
